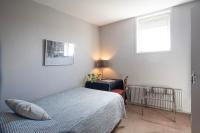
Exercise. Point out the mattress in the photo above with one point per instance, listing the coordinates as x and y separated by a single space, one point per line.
78 110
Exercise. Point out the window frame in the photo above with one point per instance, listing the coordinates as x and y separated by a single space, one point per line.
165 12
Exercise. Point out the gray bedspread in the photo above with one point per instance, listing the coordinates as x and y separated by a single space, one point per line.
79 110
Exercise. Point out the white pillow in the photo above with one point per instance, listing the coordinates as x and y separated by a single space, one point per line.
27 109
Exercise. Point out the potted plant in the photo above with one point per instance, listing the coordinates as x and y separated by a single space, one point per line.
93 77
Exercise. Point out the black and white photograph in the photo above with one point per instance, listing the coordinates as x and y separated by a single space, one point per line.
58 53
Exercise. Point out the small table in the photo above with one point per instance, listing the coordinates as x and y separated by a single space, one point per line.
105 85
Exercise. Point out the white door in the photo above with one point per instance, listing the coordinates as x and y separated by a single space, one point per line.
195 60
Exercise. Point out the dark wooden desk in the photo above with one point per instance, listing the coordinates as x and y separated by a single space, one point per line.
105 85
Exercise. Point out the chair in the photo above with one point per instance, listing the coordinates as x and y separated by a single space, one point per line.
122 91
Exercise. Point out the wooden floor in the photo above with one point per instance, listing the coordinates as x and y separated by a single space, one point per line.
153 121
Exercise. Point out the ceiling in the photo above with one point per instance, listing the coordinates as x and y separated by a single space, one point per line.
102 12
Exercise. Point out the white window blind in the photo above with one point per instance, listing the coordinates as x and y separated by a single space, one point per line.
153 33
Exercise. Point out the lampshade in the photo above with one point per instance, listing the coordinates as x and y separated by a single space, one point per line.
101 63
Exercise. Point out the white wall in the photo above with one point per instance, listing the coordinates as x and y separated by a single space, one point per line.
170 69
23 26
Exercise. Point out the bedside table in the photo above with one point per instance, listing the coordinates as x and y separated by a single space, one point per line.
105 85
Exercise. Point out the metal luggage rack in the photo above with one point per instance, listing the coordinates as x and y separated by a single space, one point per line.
156 97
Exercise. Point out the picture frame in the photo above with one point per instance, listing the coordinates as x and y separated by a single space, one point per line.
58 53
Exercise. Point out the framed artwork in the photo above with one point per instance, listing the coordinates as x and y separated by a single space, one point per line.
58 53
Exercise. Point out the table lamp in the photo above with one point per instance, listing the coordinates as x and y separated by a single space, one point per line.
101 64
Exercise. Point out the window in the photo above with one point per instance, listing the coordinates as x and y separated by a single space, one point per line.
153 33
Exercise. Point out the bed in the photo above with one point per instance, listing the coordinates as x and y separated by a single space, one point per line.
79 110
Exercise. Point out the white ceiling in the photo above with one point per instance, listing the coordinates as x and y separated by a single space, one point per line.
101 12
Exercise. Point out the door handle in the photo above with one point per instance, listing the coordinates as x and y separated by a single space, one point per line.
194 76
